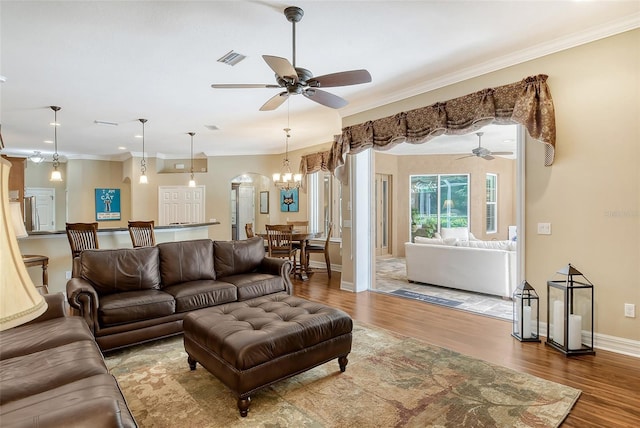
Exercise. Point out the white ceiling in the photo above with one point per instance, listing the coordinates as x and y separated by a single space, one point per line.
120 61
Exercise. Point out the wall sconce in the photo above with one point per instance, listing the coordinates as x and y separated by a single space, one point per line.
570 313
526 313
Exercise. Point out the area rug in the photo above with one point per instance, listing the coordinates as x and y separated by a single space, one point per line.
391 277
391 381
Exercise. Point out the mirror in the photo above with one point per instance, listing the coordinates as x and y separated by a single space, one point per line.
250 202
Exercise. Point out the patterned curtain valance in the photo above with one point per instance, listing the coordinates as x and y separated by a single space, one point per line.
314 162
527 102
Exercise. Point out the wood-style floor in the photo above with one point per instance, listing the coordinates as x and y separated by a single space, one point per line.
610 382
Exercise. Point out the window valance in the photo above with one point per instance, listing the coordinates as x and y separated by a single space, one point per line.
527 102
314 162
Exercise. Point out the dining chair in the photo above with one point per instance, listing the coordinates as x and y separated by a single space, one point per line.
82 236
280 242
321 249
142 234
302 226
248 229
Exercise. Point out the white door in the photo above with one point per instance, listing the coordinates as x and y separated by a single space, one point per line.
180 204
246 209
45 206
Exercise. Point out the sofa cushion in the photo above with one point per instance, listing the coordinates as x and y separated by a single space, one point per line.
432 241
201 294
41 371
123 269
72 396
234 257
186 261
134 306
36 337
256 284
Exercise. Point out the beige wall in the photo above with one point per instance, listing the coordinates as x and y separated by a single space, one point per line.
591 195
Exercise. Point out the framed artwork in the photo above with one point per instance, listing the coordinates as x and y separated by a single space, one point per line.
107 204
264 202
289 200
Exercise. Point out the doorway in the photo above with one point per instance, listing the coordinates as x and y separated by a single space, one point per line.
242 209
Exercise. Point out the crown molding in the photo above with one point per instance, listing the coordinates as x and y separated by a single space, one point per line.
589 35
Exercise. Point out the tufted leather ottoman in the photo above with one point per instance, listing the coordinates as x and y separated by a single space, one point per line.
252 344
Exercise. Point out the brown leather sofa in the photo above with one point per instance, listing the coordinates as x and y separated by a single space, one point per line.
52 374
133 295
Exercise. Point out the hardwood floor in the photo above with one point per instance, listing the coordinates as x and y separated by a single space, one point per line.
610 382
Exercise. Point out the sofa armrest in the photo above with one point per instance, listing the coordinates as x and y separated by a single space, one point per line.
56 308
282 267
84 298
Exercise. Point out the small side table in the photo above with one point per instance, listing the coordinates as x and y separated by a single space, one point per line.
36 260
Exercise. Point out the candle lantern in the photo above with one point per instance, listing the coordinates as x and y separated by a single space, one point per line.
570 313
526 313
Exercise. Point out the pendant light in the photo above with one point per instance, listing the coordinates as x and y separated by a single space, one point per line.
143 162
192 181
55 174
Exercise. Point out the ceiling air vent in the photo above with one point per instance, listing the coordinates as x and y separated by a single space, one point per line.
231 58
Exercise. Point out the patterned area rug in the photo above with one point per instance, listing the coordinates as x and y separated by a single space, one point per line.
391 277
391 381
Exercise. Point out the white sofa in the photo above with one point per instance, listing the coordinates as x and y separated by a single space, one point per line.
459 265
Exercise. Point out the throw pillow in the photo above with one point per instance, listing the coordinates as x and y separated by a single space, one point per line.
461 233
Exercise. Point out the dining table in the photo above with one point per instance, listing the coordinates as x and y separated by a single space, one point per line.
302 237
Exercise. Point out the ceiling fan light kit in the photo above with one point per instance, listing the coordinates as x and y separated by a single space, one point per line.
297 80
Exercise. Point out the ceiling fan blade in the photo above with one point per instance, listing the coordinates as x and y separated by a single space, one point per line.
487 157
275 101
325 98
242 85
468 156
343 78
282 67
502 153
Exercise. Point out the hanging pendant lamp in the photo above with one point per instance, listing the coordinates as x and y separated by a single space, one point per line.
56 175
286 180
143 162
192 181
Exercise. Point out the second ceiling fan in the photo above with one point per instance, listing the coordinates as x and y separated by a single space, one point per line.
483 152
297 80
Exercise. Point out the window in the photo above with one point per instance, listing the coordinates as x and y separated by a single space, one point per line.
492 203
325 202
438 200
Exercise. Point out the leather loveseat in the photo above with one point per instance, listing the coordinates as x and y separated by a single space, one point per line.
52 374
133 295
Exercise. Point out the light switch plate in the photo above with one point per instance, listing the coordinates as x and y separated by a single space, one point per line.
544 228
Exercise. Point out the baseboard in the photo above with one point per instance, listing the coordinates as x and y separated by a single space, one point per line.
619 345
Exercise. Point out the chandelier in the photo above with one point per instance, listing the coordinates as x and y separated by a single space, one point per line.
285 180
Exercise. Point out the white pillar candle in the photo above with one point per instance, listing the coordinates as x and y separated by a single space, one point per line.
575 332
526 322
558 322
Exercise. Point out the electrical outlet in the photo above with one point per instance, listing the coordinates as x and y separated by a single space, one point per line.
629 310
544 228
67 274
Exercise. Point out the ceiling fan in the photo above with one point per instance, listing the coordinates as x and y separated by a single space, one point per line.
297 80
483 152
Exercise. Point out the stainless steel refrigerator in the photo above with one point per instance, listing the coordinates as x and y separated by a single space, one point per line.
31 219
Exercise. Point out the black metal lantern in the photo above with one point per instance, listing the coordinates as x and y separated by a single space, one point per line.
570 313
526 313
